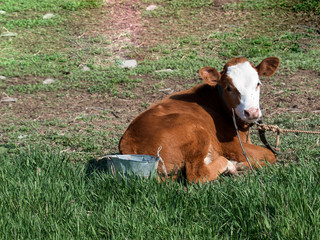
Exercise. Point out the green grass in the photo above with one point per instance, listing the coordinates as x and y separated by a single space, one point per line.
80 137
296 5
229 44
48 152
55 52
46 5
43 47
44 195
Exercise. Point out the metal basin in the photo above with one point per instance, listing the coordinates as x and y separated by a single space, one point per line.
141 165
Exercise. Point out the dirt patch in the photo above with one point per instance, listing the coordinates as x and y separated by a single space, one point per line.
23 80
125 18
295 93
299 92
70 104
118 22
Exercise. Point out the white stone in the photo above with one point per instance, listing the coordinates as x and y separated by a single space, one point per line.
9 34
48 16
2 77
9 99
22 136
48 81
164 70
85 68
151 7
168 90
132 63
2 12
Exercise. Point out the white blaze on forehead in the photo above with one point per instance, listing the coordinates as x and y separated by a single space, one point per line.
245 78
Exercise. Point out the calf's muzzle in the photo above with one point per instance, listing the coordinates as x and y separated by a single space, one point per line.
252 113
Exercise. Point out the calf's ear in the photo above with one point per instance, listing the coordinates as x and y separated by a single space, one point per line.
210 75
268 66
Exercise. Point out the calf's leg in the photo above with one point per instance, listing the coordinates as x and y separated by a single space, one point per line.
202 172
258 156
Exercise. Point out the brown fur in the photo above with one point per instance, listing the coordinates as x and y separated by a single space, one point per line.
194 124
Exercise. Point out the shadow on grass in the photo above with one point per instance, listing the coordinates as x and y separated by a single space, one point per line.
97 166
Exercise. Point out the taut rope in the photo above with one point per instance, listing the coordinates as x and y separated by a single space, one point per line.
273 128
276 129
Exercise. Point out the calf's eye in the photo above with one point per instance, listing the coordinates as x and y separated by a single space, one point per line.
258 85
228 88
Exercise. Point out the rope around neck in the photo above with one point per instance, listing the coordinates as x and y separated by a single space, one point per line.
243 151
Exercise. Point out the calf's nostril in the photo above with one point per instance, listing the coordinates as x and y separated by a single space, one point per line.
251 113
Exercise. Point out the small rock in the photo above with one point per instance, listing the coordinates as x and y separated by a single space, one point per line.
97 108
9 99
48 81
22 136
2 12
9 34
48 16
164 70
85 68
169 90
2 77
151 7
132 63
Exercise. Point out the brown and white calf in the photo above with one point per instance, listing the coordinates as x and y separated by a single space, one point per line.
195 126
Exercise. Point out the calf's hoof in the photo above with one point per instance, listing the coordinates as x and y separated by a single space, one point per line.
231 169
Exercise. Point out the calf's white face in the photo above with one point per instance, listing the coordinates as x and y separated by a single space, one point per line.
246 80
239 84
